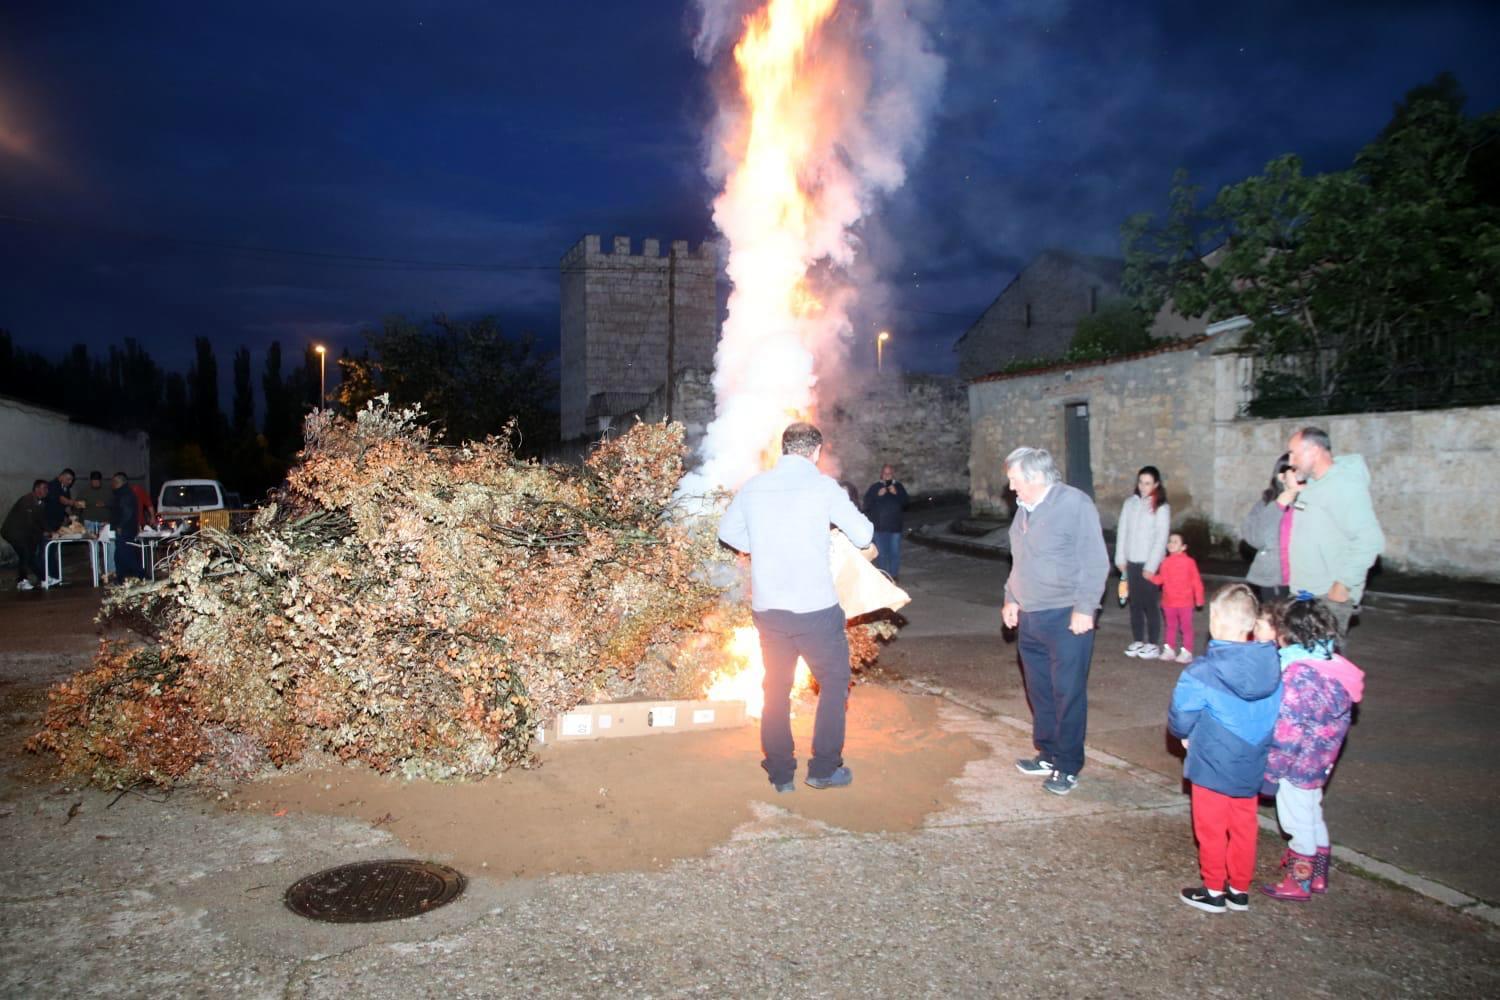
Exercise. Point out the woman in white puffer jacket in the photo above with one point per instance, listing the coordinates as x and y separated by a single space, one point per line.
1140 546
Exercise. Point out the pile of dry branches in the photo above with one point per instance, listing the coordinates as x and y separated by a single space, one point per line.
415 607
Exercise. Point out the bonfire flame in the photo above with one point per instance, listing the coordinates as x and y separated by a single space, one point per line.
804 144
745 679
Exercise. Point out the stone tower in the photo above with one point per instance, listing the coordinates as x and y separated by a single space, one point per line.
626 319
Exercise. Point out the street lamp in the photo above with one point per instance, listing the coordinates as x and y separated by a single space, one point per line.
880 349
322 374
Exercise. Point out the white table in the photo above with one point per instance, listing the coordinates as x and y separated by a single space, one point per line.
95 552
147 546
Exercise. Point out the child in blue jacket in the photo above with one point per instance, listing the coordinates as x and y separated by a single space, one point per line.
1224 710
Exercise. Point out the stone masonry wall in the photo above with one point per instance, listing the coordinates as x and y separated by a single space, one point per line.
919 423
1151 410
615 320
1435 477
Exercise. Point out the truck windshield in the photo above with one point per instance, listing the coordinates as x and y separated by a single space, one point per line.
190 496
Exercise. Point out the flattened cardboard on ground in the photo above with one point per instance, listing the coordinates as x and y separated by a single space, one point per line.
645 718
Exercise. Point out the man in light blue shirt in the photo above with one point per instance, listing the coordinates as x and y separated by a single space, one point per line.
781 518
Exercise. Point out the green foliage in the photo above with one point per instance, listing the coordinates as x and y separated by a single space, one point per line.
1119 327
469 377
1368 288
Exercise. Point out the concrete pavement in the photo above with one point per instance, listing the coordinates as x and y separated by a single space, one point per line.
1010 892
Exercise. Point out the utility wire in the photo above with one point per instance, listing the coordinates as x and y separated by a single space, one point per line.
370 262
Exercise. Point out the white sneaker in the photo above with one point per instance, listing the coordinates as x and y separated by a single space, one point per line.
24 585
1148 651
1184 655
1167 653
1134 649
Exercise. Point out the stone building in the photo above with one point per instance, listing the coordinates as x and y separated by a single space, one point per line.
627 319
1182 407
1036 314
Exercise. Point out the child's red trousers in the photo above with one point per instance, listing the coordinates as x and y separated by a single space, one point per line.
1226 827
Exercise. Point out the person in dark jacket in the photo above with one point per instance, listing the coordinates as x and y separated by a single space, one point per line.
124 518
24 529
60 503
1224 710
885 506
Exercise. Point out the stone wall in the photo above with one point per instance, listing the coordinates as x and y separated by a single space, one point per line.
1152 409
40 443
615 323
919 423
1435 477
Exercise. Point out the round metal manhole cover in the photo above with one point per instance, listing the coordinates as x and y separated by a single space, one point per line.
368 891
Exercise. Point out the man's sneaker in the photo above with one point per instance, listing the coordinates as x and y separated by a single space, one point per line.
1204 900
24 585
838 779
1060 783
1148 651
1037 765
1167 653
1238 901
1134 649
785 786
1184 655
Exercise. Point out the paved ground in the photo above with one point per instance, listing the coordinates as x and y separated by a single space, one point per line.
1009 892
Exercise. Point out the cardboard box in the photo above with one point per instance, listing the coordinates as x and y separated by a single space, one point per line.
612 720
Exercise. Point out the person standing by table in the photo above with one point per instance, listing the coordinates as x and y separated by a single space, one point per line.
1059 568
780 518
60 503
885 505
124 519
95 498
25 530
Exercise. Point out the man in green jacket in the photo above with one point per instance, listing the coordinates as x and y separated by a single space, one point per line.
1336 537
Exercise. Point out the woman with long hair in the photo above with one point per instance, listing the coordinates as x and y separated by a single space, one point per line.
1267 529
1140 546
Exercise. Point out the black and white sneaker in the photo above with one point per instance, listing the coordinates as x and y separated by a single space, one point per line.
1238 901
1060 783
1037 765
1200 897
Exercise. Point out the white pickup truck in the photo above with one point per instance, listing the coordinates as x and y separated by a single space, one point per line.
181 502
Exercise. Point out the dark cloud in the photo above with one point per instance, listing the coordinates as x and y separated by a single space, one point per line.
485 134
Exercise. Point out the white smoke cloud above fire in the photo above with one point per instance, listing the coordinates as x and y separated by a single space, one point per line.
823 105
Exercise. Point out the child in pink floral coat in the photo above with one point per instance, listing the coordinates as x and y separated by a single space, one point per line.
1320 689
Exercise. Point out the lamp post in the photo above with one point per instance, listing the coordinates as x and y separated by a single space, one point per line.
322 374
880 349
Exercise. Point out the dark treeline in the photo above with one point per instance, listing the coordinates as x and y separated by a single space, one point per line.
470 379
127 390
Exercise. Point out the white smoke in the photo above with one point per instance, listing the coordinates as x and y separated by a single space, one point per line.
868 81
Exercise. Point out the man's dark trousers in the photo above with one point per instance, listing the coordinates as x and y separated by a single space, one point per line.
888 552
819 638
1056 665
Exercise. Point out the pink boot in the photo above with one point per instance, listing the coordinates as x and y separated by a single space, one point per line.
1319 881
1297 875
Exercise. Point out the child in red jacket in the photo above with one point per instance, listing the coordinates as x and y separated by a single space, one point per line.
1181 592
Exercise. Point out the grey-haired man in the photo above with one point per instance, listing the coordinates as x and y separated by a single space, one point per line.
1058 571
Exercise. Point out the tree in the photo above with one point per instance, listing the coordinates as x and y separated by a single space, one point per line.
1370 287
243 422
470 377
1119 327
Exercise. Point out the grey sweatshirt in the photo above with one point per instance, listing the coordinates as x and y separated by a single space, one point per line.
1058 555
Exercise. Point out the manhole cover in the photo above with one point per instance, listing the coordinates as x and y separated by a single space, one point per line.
374 890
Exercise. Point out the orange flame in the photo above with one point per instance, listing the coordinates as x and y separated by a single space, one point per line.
743 682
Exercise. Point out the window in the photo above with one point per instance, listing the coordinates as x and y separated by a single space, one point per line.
1028 315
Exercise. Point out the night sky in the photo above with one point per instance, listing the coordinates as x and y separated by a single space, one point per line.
149 141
